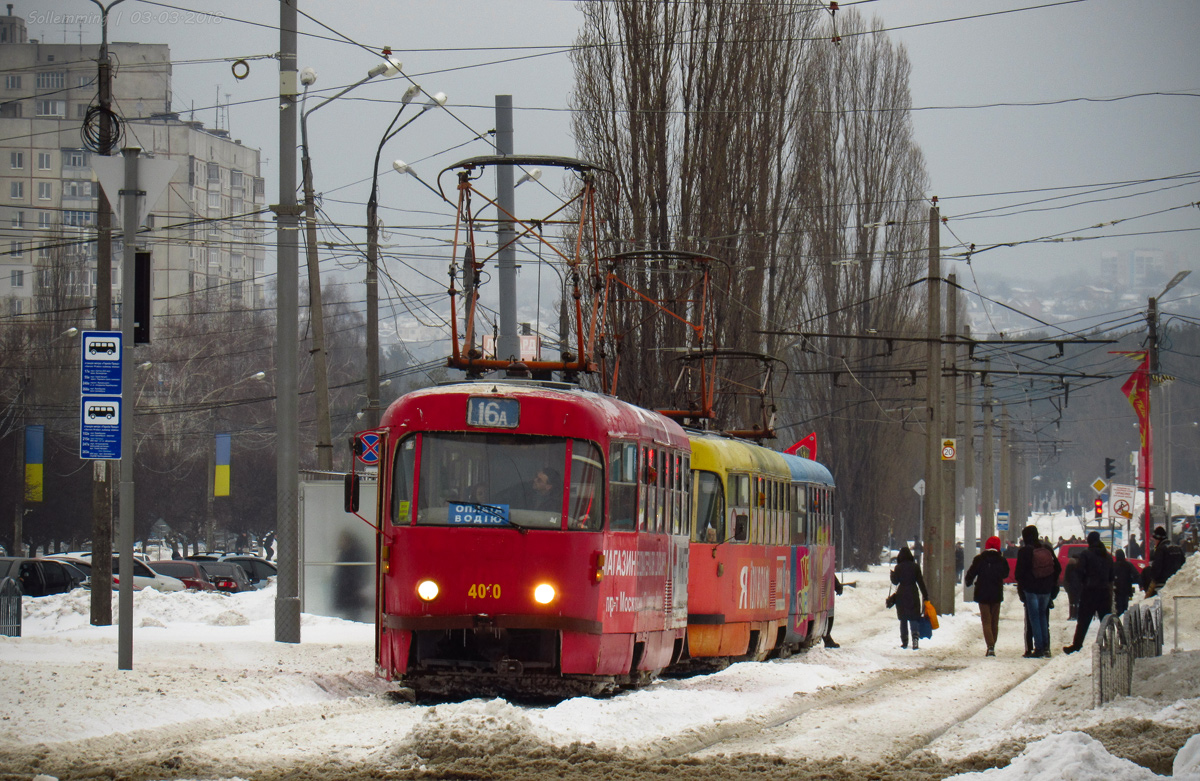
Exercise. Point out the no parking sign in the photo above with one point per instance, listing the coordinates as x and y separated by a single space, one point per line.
367 451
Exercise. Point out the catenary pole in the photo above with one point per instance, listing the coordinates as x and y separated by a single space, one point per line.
125 595
933 429
950 466
970 541
102 471
987 468
287 464
508 345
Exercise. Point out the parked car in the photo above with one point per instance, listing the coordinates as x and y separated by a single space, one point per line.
227 576
144 576
41 577
204 557
190 573
258 570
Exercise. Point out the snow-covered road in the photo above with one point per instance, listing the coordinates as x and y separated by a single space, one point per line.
212 696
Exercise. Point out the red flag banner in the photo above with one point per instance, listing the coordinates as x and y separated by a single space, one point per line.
805 448
1137 390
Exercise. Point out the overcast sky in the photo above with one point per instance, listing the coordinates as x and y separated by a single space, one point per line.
1096 72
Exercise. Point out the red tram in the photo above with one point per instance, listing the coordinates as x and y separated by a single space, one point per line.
509 563
539 539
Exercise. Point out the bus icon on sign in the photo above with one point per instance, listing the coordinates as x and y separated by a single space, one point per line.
99 347
106 411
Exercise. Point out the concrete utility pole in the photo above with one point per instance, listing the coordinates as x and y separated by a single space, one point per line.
125 595
101 574
1005 492
950 467
508 344
287 343
970 541
933 533
1158 382
987 520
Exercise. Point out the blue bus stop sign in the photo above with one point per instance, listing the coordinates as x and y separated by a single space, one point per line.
100 428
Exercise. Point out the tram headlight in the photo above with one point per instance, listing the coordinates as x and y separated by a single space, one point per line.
544 594
427 590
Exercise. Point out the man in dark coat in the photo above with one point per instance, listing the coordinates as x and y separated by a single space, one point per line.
960 557
1095 571
1037 586
1163 562
911 595
1125 575
988 571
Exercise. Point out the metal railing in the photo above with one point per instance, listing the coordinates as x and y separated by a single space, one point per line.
1135 635
10 608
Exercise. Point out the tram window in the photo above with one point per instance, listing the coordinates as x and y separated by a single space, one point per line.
710 508
680 524
585 507
662 518
685 482
406 456
799 536
503 479
622 491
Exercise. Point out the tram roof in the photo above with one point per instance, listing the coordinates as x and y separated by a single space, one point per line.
805 470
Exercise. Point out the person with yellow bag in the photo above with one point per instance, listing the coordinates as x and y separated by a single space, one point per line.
910 597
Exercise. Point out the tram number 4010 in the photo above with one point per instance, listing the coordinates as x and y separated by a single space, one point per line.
484 590
493 413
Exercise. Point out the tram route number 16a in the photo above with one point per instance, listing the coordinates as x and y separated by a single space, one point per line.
493 413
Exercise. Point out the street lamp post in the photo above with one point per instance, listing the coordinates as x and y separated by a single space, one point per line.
308 77
1157 383
372 281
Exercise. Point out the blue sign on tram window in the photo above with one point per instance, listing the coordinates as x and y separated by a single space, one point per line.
493 413
476 514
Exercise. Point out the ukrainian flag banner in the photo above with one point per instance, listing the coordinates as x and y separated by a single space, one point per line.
35 449
221 477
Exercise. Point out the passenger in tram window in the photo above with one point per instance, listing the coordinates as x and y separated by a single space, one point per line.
547 490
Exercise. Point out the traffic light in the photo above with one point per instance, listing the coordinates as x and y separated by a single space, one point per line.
1099 507
1110 468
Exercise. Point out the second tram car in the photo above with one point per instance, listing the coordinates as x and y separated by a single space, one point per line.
536 539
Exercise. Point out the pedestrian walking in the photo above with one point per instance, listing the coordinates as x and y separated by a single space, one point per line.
1125 575
269 545
988 571
828 638
910 595
1095 571
1037 574
1164 562
959 560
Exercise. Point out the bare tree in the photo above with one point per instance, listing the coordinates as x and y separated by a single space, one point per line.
734 130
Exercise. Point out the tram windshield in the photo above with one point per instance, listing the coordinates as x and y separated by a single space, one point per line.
470 479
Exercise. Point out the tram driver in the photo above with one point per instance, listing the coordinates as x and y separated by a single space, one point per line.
547 490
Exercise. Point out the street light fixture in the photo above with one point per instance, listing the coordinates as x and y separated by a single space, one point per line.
436 100
402 167
308 77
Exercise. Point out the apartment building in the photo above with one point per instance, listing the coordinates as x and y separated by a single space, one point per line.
206 233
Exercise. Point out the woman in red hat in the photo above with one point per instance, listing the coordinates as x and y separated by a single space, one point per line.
987 572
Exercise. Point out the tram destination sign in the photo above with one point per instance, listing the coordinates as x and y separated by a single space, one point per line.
488 412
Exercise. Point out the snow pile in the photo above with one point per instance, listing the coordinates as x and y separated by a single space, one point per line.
1070 756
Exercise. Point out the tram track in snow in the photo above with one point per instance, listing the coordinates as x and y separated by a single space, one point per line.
795 728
